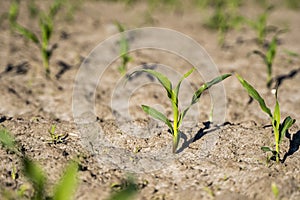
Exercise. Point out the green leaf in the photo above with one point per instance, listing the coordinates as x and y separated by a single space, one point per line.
36 176
65 189
176 91
125 194
27 33
255 95
262 55
270 55
198 93
7 140
266 149
55 7
13 12
276 115
206 86
286 124
158 115
165 82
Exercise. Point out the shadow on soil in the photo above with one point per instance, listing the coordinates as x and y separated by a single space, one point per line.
290 75
294 145
202 132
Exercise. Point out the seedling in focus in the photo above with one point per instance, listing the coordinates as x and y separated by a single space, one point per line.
279 129
172 94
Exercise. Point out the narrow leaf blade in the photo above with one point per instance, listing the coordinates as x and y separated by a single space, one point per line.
182 78
255 95
266 149
27 33
158 115
7 140
206 86
66 186
286 124
165 82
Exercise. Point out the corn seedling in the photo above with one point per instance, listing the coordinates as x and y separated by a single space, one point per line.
172 94
46 21
64 188
260 25
268 58
56 138
279 129
224 18
124 191
124 47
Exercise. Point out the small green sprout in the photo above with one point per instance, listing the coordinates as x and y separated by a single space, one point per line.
279 129
173 96
268 58
125 191
56 138
124 47
46 27
275 190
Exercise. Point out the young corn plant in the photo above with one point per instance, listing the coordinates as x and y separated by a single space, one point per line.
124 47
56 138
279 129
260 26
63 190
268 59
225 18
172 94
46 24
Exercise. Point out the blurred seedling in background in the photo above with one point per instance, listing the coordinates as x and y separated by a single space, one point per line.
172 94
46 24
268 59
126 190
261 27
124 47
56 138
224 18
63 190
279 129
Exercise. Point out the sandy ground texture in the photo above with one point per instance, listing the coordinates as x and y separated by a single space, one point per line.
223 162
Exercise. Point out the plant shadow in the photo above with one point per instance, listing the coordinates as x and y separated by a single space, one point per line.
202 132
294 145
279 79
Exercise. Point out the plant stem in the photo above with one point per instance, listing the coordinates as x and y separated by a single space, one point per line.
175 125
269 75
276 132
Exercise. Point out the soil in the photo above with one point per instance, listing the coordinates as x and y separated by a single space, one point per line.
223 162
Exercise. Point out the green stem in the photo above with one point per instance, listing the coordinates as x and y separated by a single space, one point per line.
276 132
175 125
269 75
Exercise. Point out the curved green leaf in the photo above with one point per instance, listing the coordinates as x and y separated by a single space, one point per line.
286 124
206 86
158 115
166 83
27 33
176 91
255 95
